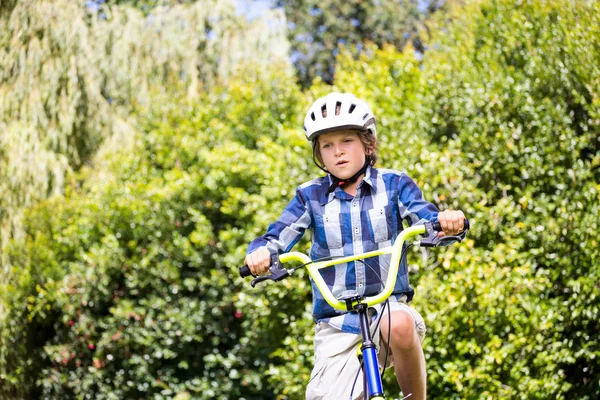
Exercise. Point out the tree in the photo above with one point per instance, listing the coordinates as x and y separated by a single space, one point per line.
68 88
71 75
319 27
140 299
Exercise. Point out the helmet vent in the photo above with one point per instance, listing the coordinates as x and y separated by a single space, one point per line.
337 112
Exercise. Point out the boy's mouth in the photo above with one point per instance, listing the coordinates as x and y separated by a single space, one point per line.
341 163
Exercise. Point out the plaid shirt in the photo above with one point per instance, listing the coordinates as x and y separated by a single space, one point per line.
343 225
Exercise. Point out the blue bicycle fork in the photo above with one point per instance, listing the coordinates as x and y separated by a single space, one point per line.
369 353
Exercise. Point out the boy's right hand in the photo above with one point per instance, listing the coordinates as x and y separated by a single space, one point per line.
259 261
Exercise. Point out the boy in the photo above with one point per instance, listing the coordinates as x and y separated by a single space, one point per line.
355 208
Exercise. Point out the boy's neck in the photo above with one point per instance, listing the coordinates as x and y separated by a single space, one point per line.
351 188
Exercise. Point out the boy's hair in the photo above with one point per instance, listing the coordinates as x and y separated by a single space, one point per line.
366 137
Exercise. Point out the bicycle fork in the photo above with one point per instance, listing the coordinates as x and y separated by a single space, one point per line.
369 354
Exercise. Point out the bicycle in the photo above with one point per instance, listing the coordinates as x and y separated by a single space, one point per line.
372 382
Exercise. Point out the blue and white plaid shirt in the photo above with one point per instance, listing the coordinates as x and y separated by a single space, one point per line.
343 225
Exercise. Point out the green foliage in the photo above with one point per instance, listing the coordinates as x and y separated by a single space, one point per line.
147 6
321 26
135 298
72 75
507 93
69 88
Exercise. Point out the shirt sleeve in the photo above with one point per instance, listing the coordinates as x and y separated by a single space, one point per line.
413 207
287 230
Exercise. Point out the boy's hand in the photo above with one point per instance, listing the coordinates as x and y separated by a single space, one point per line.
259 261
452 222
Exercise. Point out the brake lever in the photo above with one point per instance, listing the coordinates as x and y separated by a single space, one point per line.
259 280
277 272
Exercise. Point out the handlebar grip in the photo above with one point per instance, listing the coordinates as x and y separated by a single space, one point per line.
436 225
245 271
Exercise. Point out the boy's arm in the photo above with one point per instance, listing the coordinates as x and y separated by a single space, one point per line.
282 235
413 207
416 209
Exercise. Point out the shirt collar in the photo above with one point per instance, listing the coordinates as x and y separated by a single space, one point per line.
370 178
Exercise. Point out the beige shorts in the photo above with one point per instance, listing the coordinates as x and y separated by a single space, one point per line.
336 363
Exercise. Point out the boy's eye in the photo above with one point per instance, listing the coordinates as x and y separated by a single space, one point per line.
327 145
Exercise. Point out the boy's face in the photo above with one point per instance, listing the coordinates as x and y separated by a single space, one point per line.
342 152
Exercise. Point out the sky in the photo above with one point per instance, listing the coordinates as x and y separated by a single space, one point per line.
252 8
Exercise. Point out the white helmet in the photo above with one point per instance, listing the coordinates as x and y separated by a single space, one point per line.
338 111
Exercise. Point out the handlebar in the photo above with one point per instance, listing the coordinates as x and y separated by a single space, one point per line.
277 273
245 271
430 238
438 227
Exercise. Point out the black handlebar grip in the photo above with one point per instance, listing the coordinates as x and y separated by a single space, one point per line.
436 225
245 271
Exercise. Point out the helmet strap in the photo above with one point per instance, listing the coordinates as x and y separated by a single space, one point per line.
342 183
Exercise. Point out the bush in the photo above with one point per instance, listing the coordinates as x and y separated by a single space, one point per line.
127 283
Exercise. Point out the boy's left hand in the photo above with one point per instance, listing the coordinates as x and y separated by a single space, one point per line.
452 222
